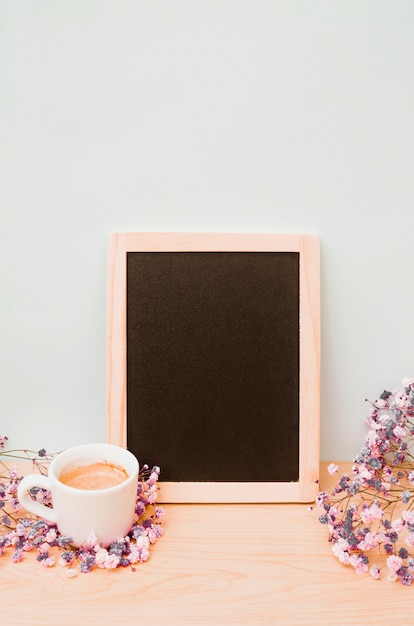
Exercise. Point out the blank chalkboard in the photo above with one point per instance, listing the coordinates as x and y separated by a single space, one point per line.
214 385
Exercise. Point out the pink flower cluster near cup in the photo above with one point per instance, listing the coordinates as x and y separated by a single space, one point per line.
20 533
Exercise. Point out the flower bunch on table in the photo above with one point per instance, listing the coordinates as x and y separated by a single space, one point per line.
370 513
21 532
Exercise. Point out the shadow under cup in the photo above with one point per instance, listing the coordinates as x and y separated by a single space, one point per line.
108 513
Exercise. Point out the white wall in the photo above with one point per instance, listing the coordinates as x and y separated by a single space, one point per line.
197 115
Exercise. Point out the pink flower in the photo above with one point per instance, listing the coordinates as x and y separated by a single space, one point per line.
341 554
13 538
369 542
3 440
401 399
384 416
134 555
371 438
322 497
359 566
144 555
371 513
112 561
20 529
142 542
364 472
71 572
101 557
159 512
44 548
154 533
50 535
394 563
12 489
399 432
152 479
13 472
408 516
375 572
91 541
15 504
397 525
332 469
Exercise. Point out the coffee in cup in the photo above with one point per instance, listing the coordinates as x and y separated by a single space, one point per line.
98 475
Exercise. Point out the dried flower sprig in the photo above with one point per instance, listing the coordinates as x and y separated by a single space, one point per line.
372 511
20 533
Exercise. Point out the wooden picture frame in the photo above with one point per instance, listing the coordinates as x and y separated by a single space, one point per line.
306 248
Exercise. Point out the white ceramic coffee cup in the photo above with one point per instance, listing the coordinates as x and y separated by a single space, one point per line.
109 513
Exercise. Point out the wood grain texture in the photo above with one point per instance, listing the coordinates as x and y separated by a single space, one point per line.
309 401
258 564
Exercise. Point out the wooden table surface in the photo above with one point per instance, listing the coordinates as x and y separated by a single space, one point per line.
216 564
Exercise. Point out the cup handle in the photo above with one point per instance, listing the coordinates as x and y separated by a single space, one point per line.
35 480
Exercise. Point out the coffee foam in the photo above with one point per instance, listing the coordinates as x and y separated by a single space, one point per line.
93 476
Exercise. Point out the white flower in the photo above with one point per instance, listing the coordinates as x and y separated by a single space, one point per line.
101 557
71 572
394 563
399 432
408 516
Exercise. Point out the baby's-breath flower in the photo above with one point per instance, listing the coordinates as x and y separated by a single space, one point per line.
322 497
332 468
154 532
397 525
341 554
394 563
134 554
71 572
101 557
87 562
112 561
392 577
361 512
159 512
91 541
153 478
139 508
369 542
51 535
408 516
359 564
371 513
44 548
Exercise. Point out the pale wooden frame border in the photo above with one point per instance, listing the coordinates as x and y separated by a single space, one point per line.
305 489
